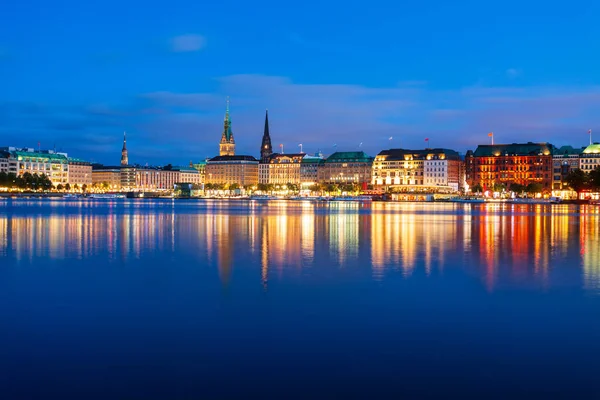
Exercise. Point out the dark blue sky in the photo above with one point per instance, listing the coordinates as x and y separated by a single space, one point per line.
330 72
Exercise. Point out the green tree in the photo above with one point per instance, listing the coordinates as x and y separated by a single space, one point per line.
594 179
517 188
105 185
316 187
234 186
578 180
476 188
84 188
330 188
59 187
499 187
68 186
534 187
76 186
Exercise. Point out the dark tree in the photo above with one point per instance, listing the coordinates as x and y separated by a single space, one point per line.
578 180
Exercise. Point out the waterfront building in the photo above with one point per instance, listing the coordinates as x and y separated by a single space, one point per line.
129 177
346 167
590 158
48 162
124 155
4 161
227 144
423 170
201 168
189 175
281 169
309 170
564 160
80 172
229 170
108 177
520 163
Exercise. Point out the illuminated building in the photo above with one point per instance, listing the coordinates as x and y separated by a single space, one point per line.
201 168
109 177
227 144
346 167
521 163
164 178
48 162
590 158
4 161
281 169
80 172
309 170
564 160
228 170
437 169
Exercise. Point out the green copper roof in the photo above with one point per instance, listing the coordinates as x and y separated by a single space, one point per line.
349 156
567 151
38 155
592 149
515 149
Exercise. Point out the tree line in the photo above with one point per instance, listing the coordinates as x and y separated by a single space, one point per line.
33 182
581 181
291 187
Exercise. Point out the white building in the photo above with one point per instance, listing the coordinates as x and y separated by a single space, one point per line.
589 160
54 165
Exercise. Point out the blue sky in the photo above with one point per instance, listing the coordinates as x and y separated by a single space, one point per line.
76 75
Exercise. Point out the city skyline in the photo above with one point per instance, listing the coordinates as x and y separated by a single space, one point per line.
165 80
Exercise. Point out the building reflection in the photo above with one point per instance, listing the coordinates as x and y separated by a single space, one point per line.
502 245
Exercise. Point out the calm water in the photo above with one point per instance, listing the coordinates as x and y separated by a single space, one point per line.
207 299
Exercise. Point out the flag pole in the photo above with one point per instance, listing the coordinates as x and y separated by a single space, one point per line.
590 132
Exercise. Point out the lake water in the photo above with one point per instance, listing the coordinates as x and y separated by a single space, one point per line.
138 299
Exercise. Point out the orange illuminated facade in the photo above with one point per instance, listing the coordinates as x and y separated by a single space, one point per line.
508 164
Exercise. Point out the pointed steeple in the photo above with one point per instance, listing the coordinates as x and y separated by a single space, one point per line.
265 148
227 145
124 156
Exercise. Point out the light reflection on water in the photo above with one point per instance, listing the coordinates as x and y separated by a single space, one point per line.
211 299
537 246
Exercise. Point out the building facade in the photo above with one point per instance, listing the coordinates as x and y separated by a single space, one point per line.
590 158
346 167
424 170
106 177
52 164
228 170
201 168
564 160
281 169
189 175
309 170
4 161
80 172
520 163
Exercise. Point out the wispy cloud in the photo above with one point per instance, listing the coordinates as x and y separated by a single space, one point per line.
188 43
513 73
176 127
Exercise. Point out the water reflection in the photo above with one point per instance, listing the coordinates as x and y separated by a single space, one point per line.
538 247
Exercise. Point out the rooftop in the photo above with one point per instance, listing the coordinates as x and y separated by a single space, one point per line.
232 158
349 156
592 149
514 149
20 154
400 154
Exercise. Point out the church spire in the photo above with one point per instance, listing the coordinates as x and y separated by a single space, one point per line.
124 157
265 148
227 145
